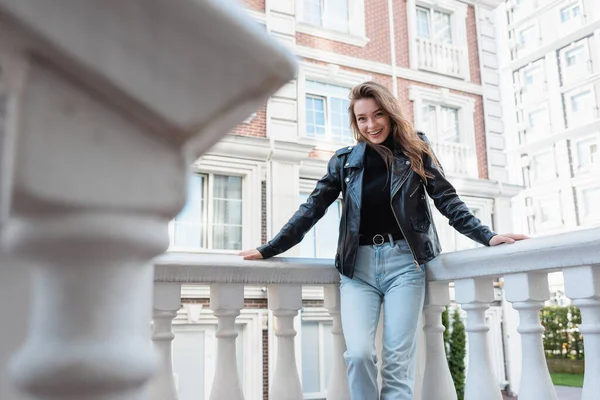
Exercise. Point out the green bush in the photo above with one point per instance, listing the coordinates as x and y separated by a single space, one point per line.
457 353
562 338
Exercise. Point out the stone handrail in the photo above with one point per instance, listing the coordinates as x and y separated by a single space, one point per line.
523 265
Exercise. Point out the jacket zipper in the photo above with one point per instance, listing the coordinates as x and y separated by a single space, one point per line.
397 222
415 191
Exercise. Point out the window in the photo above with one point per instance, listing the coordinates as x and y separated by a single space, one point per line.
321 240
575 61
441 123
570 13
542 167
329 14
538 118
581 106
317 342
530 82
212 216
527 36
590 198
587 153
575 55
327 112
548 210
434 25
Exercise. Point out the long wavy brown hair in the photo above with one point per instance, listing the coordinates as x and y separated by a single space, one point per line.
403 132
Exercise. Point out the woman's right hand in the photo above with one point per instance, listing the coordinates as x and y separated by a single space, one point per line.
251 254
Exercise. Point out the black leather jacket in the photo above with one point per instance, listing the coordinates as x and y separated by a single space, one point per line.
408 201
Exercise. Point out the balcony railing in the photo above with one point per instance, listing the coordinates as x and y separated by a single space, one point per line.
524 267
441 58
456 158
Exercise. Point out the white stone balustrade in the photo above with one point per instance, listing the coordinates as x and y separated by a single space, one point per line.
107 104
457 158
523 265
441 57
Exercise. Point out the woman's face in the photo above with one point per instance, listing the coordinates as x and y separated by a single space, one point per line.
373 124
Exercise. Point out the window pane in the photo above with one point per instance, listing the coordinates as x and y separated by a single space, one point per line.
312 12
449 126
542 167
586 152
575 56
538 118
549 209
336 14
227 212
591 199
188 225
428 121
327 350
443 27
321 240
310 357
315 116
423 30
340 123
582 101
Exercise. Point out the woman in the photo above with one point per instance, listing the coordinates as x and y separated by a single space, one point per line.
386 236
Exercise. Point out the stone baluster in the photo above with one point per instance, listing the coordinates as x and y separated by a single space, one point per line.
475 296
527 292
337 387
582 285
226 301
284 302
436 364
167 301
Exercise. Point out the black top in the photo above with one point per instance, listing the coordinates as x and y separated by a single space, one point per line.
376 216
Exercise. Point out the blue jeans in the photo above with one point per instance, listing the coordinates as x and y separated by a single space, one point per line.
383 274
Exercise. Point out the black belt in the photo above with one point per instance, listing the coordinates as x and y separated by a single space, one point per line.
378 239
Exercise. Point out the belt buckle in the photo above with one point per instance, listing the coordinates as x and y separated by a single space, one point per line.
375 239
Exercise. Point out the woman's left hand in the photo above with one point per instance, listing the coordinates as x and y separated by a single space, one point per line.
509 238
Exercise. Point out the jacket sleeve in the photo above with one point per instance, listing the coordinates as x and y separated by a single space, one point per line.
326 192
451 206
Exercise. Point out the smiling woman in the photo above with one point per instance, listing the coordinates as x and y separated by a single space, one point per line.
386 237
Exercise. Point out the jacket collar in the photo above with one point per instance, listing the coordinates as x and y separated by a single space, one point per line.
357 156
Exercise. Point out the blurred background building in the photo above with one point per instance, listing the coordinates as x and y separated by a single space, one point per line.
549 55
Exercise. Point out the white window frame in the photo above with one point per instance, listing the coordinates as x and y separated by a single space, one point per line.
584 218
527 94
575 153
569 74
532 157
314 314
329 74
466 109
530 46
552 224
571 116
531 133
356 35
249 171
458 20
251 320
572 23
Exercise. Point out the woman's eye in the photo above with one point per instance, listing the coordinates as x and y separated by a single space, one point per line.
379 114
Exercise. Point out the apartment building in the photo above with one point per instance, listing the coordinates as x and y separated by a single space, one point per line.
549 52
439 59
551 64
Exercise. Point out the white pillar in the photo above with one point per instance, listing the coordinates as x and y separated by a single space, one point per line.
285 301
475 296
582 285
167 301
527 292
226 301
436 364
337 387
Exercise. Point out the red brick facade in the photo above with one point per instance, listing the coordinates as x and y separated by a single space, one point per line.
473 46
256 5
256 127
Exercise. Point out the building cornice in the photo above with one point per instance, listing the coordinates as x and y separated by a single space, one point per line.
483 187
